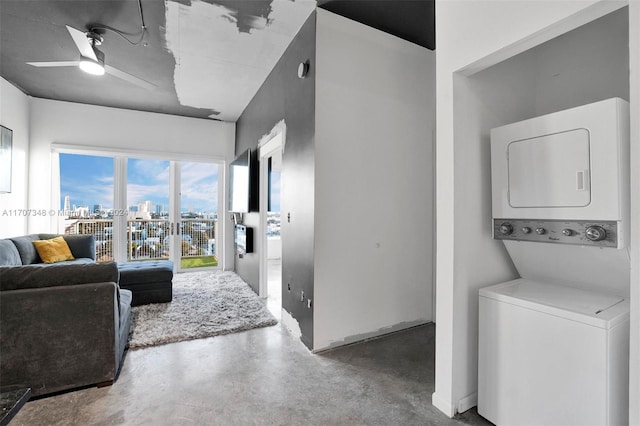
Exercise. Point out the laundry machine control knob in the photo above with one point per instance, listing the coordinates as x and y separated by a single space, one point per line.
568 232
595 233
540 231
526 230
506 229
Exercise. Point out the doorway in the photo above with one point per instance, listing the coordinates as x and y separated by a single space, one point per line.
270 239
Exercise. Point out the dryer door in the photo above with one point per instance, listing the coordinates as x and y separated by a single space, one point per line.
550 171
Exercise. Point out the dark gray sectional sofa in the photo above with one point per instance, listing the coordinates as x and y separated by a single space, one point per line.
63 325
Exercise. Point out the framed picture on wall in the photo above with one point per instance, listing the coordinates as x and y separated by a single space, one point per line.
6 142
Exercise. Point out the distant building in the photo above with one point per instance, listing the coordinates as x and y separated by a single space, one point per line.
145 206
82 211
139 215
211 247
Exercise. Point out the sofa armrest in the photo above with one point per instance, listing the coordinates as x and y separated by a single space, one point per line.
56 274
57 338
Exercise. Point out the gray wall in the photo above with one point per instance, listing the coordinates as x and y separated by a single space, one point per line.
285 96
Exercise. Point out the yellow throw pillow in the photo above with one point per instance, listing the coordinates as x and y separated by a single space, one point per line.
53 250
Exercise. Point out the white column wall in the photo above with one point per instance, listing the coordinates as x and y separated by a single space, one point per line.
471 36
14 115
634 65
374 182
113 129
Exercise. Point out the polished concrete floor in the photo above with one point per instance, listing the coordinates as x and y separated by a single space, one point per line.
261 377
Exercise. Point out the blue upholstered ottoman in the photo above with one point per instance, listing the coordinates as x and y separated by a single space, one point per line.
148 280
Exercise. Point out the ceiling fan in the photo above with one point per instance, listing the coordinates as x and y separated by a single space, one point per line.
92 59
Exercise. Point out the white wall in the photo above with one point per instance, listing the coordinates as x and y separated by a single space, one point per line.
14 114
115 129
374 182
473 35
634 64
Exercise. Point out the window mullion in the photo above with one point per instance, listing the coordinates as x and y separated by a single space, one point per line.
120 209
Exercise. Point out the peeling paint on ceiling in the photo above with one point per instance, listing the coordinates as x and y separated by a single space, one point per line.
224 50
247 16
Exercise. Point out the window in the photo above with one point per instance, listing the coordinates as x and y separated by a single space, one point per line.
169 209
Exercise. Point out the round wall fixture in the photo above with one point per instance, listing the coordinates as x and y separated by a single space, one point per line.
303 69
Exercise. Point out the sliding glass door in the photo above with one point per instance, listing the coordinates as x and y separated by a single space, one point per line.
86 199
142 209
149 220
198 214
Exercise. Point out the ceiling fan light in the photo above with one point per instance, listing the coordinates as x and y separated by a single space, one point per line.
91 67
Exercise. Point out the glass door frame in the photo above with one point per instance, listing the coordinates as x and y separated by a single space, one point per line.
120 196
269 145
175 216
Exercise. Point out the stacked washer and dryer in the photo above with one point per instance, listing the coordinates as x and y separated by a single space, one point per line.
554 344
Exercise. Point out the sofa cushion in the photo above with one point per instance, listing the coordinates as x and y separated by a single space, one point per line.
80 245
9 255
80 261
56 274
27 250
53 250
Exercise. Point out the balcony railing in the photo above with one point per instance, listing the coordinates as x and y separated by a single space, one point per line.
149 239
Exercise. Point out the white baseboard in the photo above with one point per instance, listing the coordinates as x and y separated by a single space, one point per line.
468 402
447 408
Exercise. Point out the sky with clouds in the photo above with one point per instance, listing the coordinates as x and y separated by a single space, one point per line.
88 180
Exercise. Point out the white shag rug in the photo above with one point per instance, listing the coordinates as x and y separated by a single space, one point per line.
205 304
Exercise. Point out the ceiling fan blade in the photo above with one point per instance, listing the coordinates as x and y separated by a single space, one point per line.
128 77
54 64
81 41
